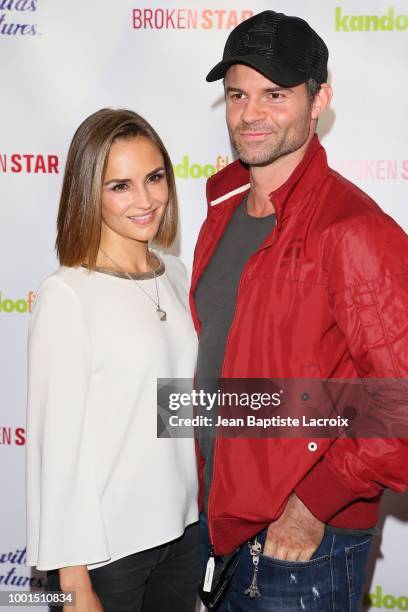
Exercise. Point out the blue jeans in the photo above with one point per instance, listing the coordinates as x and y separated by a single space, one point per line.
331 581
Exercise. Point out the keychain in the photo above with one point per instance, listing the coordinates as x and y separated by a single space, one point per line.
209 572
255 550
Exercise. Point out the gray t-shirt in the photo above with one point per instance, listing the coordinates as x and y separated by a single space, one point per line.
215 299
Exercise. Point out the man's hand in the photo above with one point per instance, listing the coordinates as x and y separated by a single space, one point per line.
295 535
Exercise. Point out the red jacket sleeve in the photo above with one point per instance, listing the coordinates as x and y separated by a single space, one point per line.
368 290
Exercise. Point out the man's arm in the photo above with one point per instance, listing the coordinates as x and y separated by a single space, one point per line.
368 286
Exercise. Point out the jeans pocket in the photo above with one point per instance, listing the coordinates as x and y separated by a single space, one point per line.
296 585
322 552
325 547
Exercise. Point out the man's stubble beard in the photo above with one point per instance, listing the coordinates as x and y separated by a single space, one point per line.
266 153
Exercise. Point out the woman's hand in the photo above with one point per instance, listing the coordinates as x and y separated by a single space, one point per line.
77 579
85 601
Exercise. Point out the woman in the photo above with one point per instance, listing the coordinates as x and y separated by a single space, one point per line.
110 506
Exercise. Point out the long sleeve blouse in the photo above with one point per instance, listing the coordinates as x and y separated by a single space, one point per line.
100 484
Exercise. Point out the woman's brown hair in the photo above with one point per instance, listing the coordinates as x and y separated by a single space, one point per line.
80 209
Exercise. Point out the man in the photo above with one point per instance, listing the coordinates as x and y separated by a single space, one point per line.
297 274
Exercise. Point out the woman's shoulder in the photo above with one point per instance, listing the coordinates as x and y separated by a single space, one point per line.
62 284
62 276
175 268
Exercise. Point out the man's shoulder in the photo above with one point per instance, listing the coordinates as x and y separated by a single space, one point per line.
231 180
347 204
363 238
348 192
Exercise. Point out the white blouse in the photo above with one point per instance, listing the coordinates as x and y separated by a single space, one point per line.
100 484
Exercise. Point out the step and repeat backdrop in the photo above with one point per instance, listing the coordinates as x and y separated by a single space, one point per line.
61 60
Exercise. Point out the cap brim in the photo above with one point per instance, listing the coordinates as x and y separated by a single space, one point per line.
274 71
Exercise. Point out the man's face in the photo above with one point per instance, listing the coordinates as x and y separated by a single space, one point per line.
265 121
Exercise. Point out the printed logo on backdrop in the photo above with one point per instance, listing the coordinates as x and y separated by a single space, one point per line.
12 436
372 169
14 573
16 18
29 163
383 600
10 305
385 22
357 169
188 19
189 169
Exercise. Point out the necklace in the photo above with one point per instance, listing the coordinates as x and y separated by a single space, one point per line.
160 312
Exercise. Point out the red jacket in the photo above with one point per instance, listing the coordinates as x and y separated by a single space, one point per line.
326 295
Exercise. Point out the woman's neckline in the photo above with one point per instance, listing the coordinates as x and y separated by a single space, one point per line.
138 276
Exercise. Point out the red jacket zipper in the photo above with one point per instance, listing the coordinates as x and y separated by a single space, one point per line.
210 494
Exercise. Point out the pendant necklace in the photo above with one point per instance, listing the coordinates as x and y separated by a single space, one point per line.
160 312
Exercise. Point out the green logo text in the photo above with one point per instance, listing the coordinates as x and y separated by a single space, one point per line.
195 171
370 23
19 306
388 602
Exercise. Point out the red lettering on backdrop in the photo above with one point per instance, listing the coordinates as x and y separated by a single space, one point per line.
169 19
404 174
369 168
392 169
159 24
246 15
137 22
28 157
39 164
15 163
20 437
193 19
34 163
7 439
3 162
181 19
207 23
147 18
5 435
380 169
53 164
232 20
220 14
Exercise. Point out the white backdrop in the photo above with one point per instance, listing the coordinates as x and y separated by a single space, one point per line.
63 59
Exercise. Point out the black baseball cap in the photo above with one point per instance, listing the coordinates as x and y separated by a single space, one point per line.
284 49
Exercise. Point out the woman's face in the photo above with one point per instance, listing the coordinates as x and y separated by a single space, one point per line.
135 190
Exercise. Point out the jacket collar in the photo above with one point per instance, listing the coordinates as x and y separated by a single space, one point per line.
234 180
